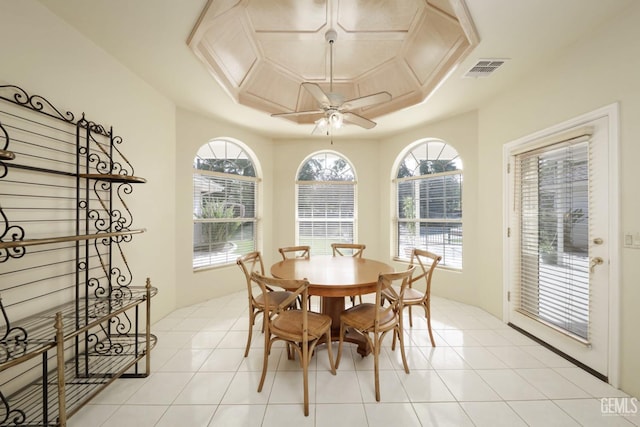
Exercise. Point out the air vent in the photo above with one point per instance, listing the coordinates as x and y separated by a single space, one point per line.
484 67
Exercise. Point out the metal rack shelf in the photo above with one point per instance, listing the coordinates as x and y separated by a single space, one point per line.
71 319
78 390
34 335
52 240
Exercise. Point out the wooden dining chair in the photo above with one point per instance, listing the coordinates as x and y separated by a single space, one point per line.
302 252
425 263
300 329
295 252
249 263
349 249
373 321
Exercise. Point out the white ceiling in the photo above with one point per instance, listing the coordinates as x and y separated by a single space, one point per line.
150 38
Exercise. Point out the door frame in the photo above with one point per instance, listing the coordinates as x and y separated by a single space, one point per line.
611 112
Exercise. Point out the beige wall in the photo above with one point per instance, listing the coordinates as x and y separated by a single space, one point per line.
597 71
44 56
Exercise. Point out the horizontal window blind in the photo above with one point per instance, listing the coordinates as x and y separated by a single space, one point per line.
430 216
325 214
224 218
552 204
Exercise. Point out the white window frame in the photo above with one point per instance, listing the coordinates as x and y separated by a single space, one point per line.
453 239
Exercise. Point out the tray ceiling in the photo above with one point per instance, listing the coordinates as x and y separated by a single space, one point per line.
260 51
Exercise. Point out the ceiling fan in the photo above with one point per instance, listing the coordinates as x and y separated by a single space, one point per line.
332 105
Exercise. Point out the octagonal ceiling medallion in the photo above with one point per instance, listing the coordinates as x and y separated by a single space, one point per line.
261 51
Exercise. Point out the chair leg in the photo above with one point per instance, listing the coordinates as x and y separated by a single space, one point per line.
252 321
305 378
340 345
376 367
410 318
291 355
265 362
331 362
401 338
427 313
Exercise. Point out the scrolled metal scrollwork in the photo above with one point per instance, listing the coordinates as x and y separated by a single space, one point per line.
117 140
97 128
125 189
99 164
91 127
119 223
106 345
101 224
10 233
121 293
12 417
38 103
4 135
121 279
101 346
100 309
122 326
98 289
14 340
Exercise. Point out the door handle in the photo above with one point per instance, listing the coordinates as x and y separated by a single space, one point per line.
596 261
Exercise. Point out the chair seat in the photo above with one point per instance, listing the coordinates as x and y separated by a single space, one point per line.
288 324
362 317
411 296
275 298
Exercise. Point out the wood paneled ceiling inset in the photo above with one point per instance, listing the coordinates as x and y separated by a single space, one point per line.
261 51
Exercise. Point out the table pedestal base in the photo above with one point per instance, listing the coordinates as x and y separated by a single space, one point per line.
332 307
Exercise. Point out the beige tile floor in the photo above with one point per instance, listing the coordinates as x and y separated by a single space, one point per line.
482 373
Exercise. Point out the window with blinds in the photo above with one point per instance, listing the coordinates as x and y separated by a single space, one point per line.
552 204
429 203
326 208
224 204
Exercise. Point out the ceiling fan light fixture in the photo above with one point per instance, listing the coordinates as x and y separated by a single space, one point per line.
336 111
322 126
336 119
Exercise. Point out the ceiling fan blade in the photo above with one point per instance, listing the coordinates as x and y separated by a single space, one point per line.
317 92
358 120
365 101
298 113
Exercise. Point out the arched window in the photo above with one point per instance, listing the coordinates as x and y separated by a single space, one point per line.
326 195
429 202
224 204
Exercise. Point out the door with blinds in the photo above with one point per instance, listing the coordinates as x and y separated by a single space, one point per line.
559 241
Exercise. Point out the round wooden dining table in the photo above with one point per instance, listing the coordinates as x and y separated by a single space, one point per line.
333 278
